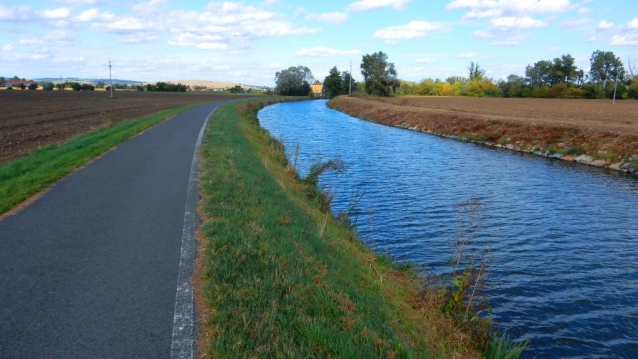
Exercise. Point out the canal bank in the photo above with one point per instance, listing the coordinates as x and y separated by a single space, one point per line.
277 276
570 144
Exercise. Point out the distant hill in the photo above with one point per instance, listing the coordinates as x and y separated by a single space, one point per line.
56 80
211 84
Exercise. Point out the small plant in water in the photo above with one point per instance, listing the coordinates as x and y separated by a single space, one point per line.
502 347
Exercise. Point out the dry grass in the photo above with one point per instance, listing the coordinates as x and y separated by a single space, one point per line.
588 125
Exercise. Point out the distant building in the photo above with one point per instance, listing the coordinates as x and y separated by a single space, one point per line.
317 88
13 82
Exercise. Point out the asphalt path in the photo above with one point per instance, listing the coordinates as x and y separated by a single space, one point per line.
90 270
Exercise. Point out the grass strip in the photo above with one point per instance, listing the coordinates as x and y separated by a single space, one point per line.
28 175
281 279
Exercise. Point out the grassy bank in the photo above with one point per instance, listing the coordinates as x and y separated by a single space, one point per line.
29 175
278 277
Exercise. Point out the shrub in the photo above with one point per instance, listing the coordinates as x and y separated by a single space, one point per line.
558 91
592 91
33 87
48 86
574 92
540 92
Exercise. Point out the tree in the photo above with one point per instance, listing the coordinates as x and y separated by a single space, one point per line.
538 74
475 72
33 87
379 75
22 86
333 83
236 89
294 81
347 81
454 79
605 67
562 70
47 86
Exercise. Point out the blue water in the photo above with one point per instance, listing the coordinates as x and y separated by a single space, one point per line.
563 237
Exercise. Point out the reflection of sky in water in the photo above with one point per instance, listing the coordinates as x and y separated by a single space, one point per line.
563 236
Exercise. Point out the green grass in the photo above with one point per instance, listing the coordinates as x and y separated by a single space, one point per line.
29 175
281 278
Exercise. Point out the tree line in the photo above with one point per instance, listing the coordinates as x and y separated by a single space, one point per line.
555 78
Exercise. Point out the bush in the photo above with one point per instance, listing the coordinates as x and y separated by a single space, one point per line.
48 86
574 92
9 88
540 92
558 91
592 91
33 87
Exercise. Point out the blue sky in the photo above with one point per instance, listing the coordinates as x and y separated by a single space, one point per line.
248 41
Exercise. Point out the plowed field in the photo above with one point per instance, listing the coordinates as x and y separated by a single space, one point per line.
33 119
601 115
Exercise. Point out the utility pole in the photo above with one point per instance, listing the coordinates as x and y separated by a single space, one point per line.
111 78
350 82
615 88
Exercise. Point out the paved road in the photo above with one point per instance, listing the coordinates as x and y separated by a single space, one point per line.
90 270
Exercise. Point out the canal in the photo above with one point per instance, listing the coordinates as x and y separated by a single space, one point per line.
562 237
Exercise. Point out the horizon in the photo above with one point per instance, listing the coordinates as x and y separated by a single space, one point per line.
247 42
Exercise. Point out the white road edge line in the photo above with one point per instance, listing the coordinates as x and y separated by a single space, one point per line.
183 341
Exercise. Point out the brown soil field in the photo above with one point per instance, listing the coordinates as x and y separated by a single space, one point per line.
34 119
589 126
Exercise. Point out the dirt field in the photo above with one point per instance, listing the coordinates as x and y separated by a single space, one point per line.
33 119
599 115
589 126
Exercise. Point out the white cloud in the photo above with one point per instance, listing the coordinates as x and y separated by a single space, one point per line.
483 34
467 54
507 23
212 46
414 29
624 40
52 38
329 17
572 23
227 21
59 13
321 51
604 25
93 15
498 8
425 61
139 38
633 24
68 60
365 5
14 13
7 47
583 11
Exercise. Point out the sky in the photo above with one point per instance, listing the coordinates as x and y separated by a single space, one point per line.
248 41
